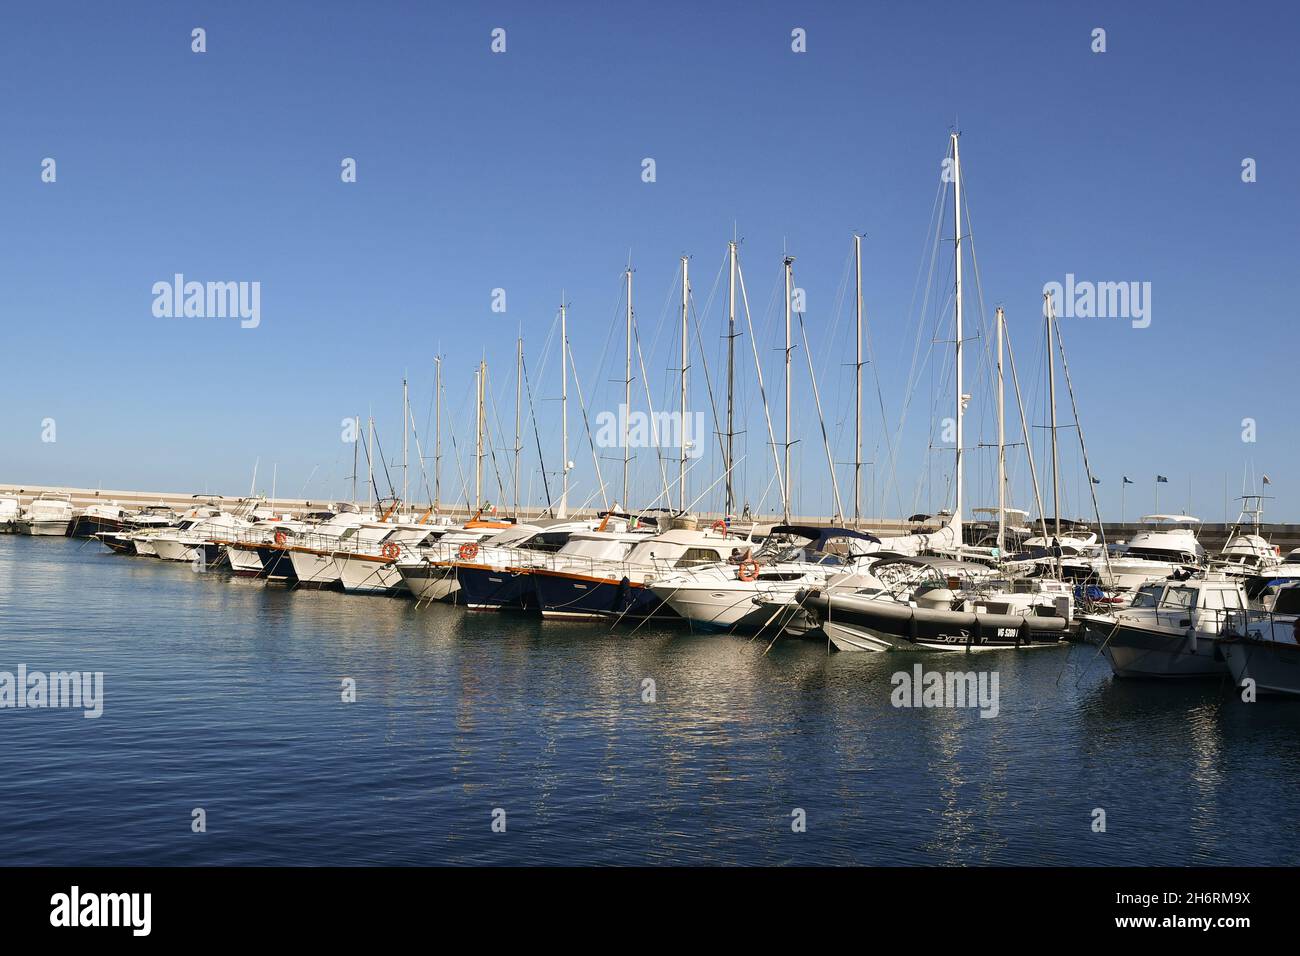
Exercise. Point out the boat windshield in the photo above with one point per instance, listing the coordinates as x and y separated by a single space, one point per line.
1148 596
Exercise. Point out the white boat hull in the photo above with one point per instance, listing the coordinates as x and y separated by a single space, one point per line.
49 527
362 576
1153 651
430 582
1273 666
176 549
244 560
314 569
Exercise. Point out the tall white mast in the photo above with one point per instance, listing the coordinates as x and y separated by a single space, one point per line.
564 407
681 428
627 390
731 375
437 434
406 412
789 346
478 436
961 405
519 394
370 462
1049 310
1002 448
857 401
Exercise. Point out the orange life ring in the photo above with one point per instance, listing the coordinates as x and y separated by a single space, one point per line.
719 525
390 551
280 538
748 570
467 551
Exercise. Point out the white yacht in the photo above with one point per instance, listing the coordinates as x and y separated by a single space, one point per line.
744 592
1166 546
50 514
312 554
11 509
96 519
431 573
608 573
368 565
199 536
498 576
1170 627
1247 553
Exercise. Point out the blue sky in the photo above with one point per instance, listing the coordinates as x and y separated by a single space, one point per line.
522 171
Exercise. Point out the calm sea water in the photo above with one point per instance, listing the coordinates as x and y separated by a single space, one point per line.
225 694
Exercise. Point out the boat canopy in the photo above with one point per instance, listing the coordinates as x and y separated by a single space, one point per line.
1171 519
819 536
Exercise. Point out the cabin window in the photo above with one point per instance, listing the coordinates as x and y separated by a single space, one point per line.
1179 598
548 542
1287 601
694 556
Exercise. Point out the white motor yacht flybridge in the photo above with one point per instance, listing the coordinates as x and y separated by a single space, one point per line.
1167 546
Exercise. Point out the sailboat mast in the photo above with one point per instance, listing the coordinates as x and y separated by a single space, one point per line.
1050 310
961 408
356 452
406 425
478 435
789 280
1002 446
370 462
564 407
437 433
731 375
857 399
519 398
627 389
681 428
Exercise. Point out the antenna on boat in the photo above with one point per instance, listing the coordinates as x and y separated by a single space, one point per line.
681 427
